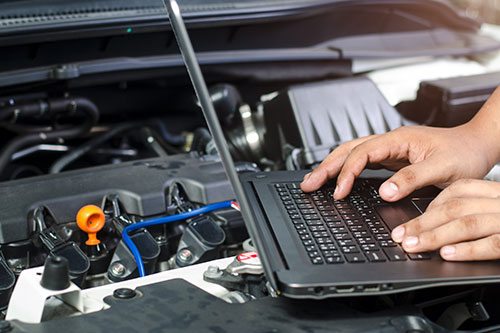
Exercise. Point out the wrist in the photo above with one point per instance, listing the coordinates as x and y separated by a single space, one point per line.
484 138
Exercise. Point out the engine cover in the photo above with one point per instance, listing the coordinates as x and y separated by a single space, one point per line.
141 186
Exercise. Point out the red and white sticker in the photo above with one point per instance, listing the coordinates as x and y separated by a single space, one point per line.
251 258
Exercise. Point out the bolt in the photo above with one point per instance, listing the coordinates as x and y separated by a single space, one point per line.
117 269
161 240
213 272
185 255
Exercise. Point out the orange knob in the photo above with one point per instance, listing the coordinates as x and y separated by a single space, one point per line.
90 219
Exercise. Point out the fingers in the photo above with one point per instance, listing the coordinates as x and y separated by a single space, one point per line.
462 228
445 213
483 249
374 151
331 165
467 188
411 178
465 228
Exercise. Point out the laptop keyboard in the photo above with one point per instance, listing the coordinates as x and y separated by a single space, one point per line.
342 231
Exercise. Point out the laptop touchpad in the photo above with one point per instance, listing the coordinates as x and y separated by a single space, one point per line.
396 214
421 203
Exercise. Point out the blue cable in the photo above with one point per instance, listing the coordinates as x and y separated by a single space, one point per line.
162 220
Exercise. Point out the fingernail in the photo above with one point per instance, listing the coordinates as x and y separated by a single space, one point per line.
335 191
448 251
411 241
306 177
398 234
388 190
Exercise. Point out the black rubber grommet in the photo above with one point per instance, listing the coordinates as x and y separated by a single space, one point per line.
124 293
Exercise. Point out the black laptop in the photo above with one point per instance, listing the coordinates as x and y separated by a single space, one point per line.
313 246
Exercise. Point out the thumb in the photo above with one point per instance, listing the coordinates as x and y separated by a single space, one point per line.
409 179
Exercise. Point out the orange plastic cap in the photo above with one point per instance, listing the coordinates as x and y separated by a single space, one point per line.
90 219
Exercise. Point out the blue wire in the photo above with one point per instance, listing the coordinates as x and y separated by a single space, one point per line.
162 220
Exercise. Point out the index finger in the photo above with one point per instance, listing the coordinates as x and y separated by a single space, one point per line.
332 164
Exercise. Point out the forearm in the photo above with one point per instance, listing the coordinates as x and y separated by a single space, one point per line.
485 127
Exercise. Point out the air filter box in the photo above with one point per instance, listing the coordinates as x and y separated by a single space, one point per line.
317 117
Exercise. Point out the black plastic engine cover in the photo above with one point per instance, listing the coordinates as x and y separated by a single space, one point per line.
141 186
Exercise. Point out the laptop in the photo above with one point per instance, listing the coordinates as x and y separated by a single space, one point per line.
312 246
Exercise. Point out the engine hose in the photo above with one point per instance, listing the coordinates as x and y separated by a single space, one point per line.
75 154
36 108
54 105
174 140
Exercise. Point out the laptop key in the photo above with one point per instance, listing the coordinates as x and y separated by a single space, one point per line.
334 260
365 240
320 234
319 201
383 236
342 236
332 219
305 206
370 247
419 256
331 253
361 234
357 227
324 240
375 256
317 228
379 230
354 222
395 254
313 254
299 225
327 247
387 243
301 201
350 249
310 216
338 230
326 207
335 224
305 237
314 222
329 213
317 260
354 257
346 242
310 248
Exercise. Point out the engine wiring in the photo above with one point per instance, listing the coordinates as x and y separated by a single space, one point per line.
167 219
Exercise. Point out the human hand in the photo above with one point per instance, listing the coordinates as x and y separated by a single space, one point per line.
423 156
463 221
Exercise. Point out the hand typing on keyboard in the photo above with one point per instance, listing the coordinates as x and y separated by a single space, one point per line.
464 221
421 155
